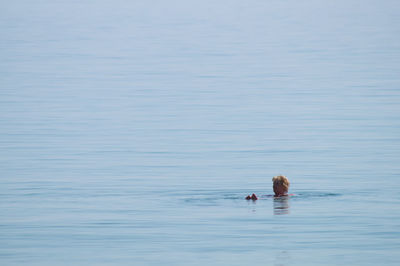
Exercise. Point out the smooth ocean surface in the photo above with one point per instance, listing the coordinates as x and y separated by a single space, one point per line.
131 131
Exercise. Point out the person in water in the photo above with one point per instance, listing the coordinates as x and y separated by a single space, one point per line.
281 187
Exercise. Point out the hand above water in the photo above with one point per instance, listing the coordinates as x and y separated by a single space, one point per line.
252 197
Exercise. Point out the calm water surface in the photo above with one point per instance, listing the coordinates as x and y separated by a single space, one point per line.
131 131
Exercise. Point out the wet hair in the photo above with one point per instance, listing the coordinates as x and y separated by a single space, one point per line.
281 181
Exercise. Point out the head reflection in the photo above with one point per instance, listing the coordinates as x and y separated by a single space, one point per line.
281 205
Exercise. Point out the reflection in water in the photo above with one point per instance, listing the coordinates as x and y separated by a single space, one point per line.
281 205
282 258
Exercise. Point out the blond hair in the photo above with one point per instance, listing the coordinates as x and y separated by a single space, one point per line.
281 181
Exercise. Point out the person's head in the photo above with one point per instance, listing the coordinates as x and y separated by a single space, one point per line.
281 185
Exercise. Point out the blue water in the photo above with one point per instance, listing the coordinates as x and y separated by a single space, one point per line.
131 131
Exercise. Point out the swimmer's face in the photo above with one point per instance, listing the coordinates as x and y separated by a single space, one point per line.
280 190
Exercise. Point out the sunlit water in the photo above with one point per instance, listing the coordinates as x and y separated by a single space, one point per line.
131 131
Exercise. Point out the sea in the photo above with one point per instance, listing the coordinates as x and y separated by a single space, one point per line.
132 131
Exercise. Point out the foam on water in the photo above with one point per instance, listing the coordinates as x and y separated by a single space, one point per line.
224 195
